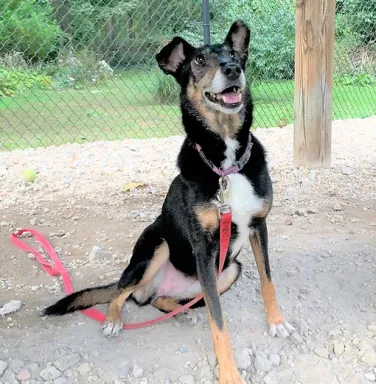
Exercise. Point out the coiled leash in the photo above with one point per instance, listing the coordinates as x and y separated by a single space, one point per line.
56 268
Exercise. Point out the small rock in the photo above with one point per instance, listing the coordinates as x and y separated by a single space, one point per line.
124 373
242 358
322 352
183 349
16 365
187 379
23 375
262 364
338 348
296 338
60 380
3 367
212 359
364 346
137 371
50 373
84 369
347 170
372 327
275 359
8 377
64 362
288 221
301 212
10 307
95 253
369 357
370 376
337 207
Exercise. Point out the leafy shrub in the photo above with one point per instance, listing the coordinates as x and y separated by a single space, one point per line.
273 45
360 17
15 80
81 68
167 90
361 79
28 26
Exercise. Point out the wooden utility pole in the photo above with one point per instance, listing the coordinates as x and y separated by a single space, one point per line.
313 82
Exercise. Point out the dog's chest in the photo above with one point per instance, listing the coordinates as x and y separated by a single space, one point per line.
243 200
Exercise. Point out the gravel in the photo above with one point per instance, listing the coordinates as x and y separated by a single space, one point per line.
50 373
93 200
242 358
3 367
64 362
88 169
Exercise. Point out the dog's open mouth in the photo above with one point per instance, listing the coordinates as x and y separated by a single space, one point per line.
229 98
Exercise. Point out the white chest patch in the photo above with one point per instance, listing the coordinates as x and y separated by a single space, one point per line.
243 201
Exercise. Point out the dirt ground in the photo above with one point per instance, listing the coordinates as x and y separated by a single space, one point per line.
323 256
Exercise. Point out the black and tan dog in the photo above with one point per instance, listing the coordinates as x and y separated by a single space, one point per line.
176 257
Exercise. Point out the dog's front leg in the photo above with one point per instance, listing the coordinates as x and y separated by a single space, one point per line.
259 242
228 371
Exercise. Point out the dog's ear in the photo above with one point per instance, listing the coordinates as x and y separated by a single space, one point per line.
238 38
171 58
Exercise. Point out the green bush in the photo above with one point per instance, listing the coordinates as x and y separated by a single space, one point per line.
167 90
359 17
16 80
28 26
361 79
273 45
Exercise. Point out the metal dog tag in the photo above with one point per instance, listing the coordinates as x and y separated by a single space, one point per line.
224 190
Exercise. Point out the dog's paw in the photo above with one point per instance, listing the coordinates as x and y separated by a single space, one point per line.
190 317
282 329
112 328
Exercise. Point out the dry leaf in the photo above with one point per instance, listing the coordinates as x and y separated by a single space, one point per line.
130 186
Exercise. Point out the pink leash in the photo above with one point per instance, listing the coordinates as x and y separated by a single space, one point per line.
57 268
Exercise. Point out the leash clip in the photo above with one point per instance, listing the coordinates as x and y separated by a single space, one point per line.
224 192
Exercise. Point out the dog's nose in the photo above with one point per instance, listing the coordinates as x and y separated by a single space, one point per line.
232 71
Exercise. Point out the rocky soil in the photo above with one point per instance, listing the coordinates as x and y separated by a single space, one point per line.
93 200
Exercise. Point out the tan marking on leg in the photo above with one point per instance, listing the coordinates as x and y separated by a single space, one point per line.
266 206
161 255
116 305
267 287
207 216
228 371
166 304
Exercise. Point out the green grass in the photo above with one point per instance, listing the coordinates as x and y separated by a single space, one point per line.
126 108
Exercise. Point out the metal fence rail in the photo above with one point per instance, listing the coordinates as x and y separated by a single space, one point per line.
84 70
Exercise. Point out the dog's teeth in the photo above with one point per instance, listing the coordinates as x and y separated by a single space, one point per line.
234 89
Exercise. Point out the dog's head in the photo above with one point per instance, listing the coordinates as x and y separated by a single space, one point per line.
212 77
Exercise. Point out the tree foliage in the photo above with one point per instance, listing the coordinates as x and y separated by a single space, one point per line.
28 26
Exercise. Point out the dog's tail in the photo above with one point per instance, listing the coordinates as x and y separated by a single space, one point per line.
82 300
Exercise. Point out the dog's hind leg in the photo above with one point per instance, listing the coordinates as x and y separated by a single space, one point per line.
149 254
259 242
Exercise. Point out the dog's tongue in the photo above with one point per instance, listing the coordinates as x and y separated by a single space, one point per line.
230 97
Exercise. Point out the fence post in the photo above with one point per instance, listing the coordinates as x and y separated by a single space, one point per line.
313 82
206 21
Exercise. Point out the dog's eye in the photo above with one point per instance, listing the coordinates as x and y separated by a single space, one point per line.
200 60
232 55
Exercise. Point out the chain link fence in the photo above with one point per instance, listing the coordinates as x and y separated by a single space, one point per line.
84 70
